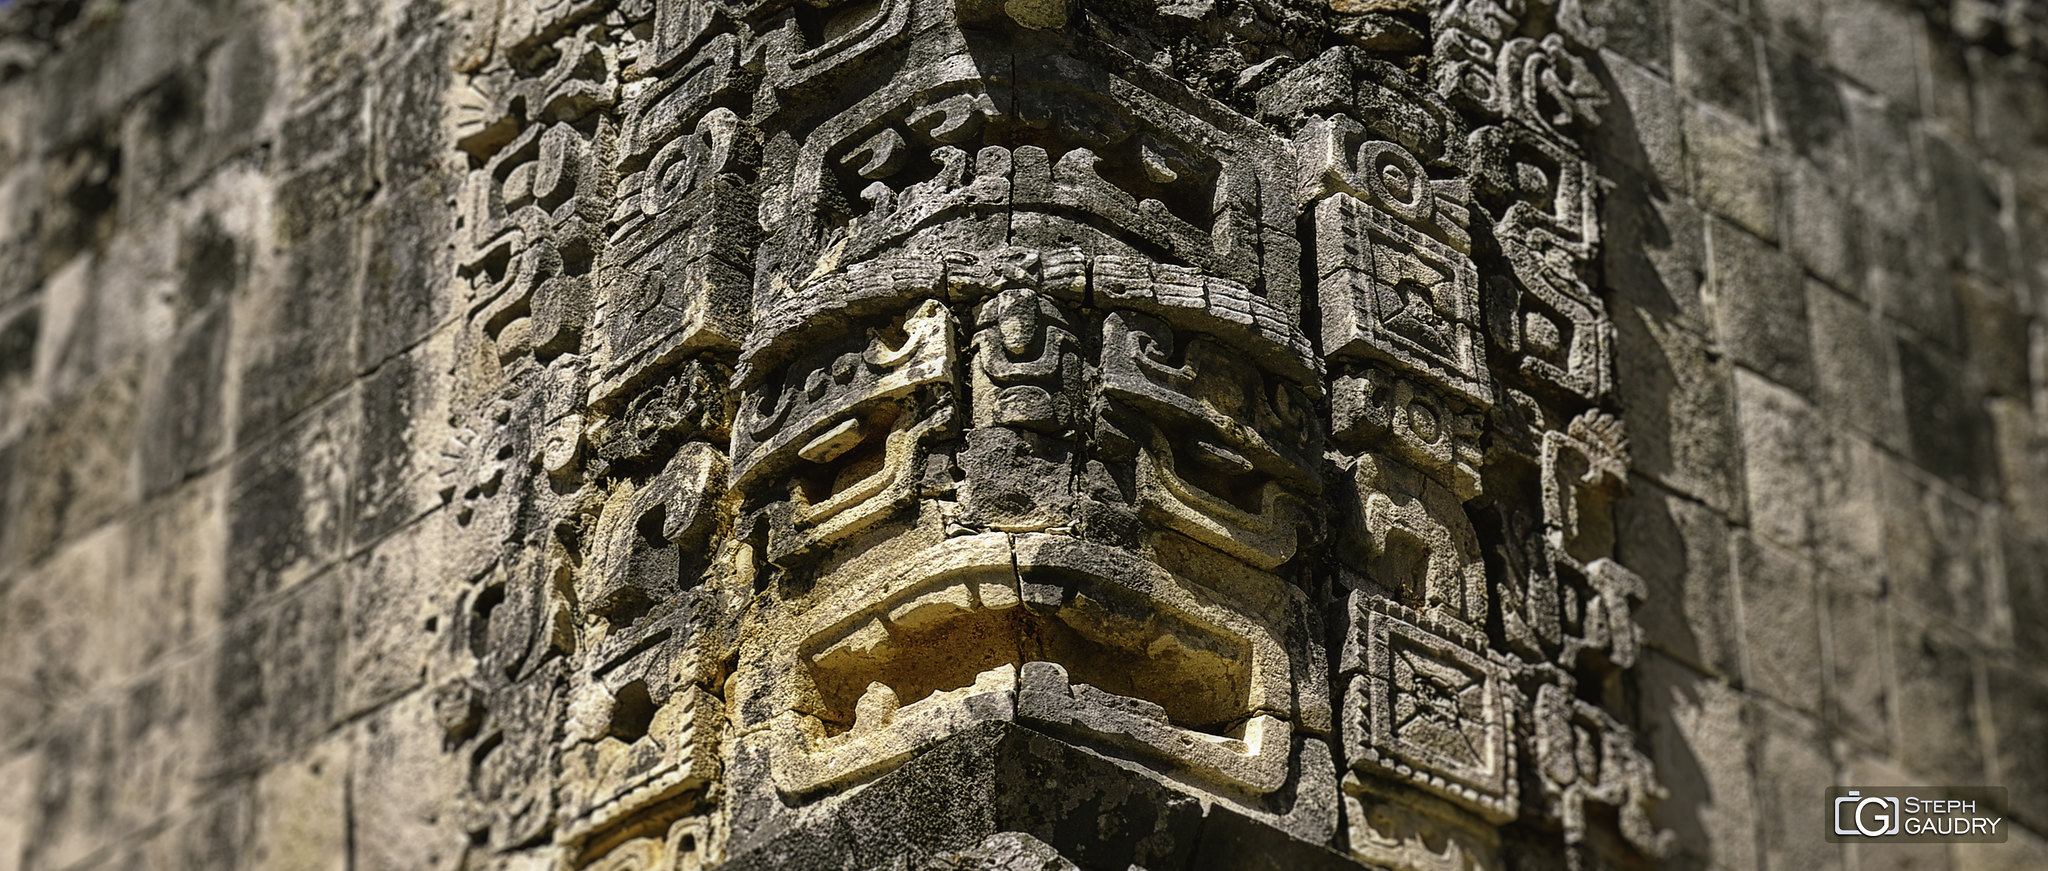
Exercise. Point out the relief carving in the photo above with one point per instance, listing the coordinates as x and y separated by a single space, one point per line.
850 376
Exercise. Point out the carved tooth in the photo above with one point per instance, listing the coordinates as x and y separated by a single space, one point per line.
1049 678
1157 167
834 442
870 641
953 120
996 597
879 196
933 607
879 157
876 708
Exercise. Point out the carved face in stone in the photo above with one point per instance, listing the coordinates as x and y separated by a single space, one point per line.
877 370
1028 428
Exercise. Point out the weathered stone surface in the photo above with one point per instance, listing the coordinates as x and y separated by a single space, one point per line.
288 504
1937 679
1781 629
1716 58
1790 756
1760 313
548 435
1733 175
1700 739
1682 549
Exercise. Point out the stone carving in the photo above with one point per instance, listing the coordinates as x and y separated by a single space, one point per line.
852 376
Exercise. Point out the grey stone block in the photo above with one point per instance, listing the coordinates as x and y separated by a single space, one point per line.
1732 175
1715 58
1878 43
1785 452
1949 432
1760 313
1780 607
1683 426
1682 549
1937 736
1807 110
1856 368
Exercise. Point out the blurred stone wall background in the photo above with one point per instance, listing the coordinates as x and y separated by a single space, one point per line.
226 319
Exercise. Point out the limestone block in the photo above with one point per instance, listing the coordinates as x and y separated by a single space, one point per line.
1682 551
1858 675
405 292
74 793
1714 59
1807 110
1850 530
1936 679
1760 314
1732 175
393 601
412 88
1650 140
58 652
1822 229
1878 49
1790 750
404 790
302 661
1785 450
175 591
1877 149
1941 548
1698 739
1800 25
217 831
1781 623
332 171
397 457
164 720
1969 209
288 504
1855 368
184 421
293 335
302 810
75 468
17 808
240 76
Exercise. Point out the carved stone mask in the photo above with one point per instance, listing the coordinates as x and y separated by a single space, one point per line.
914 365
1028 425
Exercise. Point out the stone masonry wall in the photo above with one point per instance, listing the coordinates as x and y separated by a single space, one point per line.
236 352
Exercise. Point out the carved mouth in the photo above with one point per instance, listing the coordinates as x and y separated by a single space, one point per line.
1068 637
969 627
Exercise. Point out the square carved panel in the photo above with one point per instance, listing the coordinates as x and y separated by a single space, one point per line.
1390 291
1431 708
